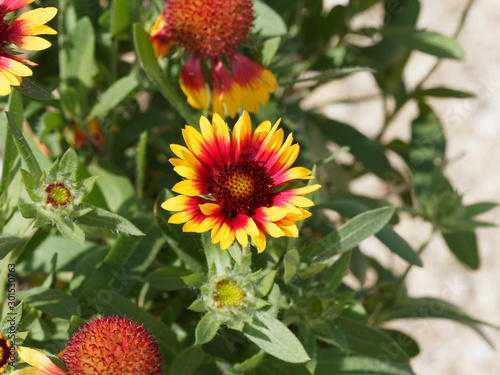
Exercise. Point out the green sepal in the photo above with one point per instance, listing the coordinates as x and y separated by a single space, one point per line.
70 230
207 328
258 303
31 185
196 280
78 211
235 324
265 284
75 324
198 306
29 210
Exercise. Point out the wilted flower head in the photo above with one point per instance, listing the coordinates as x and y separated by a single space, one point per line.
237 186
112 346
21 33
212 30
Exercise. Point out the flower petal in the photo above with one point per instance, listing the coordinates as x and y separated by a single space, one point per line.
192 83
225 90
39 360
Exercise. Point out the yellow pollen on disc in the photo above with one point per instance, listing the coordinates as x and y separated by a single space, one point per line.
58 195
240 185
227 293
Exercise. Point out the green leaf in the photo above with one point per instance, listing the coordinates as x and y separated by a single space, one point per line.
326 75
147 57
265 284
371 342
77 67
107 302
269 49
251 362
219 258
113 96
196 280
24 149
105 219
141 163
275 338
50 301
207 328
443 92
353 232
188 361
463 244
187 246
32 90
429 42
120 20
409 345
68 163
427 307
334 275
478 208
70 230
8 243
367 151
330 333
291 262
75 324
198 306
168 278
236 252
14 315
267 21
333 361
114 184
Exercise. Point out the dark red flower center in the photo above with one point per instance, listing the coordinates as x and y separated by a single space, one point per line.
212 28
58 195
241 187
4 352
4 32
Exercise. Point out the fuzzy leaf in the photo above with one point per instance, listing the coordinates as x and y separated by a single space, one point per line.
105 219
168 278
207 328
50 301
8 243
275 338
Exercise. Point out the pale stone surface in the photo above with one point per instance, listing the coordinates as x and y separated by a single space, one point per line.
472 127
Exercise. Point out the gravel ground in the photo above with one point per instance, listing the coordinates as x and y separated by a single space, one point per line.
472 128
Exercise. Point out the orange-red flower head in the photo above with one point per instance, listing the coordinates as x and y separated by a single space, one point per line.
233 184
5 353
212 30
112 345
21 32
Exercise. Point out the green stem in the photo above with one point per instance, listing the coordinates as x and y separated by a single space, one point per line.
401 281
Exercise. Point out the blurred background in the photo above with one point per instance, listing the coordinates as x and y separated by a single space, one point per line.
472 128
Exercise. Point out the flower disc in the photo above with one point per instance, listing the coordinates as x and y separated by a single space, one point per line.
112 346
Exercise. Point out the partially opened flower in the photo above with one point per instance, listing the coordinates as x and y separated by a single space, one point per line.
211 31
236 187
21 32
112 346
42 365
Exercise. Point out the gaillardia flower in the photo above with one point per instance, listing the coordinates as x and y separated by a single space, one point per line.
41 363
112 346
21 33
211 30
236 186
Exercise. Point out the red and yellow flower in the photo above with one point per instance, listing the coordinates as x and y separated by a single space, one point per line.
233 185
21 32
211 30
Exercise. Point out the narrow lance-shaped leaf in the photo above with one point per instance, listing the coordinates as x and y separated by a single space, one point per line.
98 217
24 149
141 163
353 232
8 243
